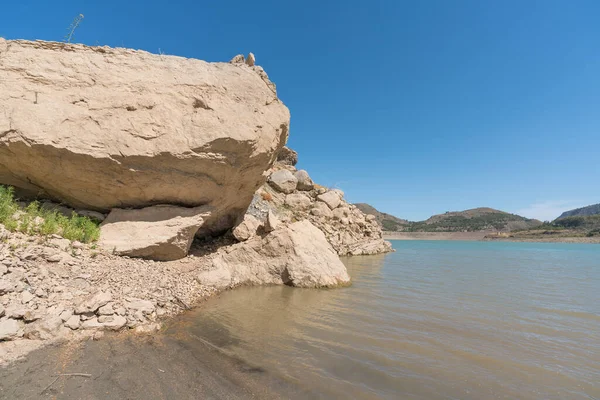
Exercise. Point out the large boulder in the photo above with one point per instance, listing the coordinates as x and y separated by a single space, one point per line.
295 255
161 233
99 128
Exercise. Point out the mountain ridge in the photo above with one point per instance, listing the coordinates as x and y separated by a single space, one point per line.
481 219
593 209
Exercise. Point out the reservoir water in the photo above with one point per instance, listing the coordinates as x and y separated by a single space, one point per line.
434 320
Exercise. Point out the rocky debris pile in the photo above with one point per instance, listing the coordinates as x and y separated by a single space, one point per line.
290 195
158 130
52 288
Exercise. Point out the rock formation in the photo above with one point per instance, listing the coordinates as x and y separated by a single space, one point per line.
99 128
290 195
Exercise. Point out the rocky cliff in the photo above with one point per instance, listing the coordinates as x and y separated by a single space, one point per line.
98 128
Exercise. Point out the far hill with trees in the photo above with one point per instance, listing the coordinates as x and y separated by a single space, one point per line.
582 212
387 221
475 220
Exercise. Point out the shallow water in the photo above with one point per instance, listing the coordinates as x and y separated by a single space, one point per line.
435 320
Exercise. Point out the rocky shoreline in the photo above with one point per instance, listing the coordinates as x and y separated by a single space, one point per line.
184 164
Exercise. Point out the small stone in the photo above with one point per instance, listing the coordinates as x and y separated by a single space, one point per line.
98 335
251 60
121 311
73 322
65 315
297 201
304 181
91 324
114 323
39 292
272 222
246 228
26 297
239 59
283 181
9 329
332 198
106 309
6 286
3 269
16 312
54 258
145 306
31 316
93 302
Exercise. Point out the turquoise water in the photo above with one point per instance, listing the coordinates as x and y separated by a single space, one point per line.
434 320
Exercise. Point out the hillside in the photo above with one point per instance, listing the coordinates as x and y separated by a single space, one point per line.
387 221
474 220
582 212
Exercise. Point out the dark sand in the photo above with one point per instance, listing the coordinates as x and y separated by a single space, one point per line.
172 365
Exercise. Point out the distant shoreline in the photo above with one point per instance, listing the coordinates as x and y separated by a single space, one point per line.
480 236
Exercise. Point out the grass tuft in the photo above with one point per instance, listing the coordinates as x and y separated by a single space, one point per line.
34 219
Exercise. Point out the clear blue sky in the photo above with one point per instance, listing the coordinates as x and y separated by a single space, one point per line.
416 107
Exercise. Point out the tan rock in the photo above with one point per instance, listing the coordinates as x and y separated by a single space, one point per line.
159 232
119 128
9 329
251 60
304 181
73 322
297 255
283 181
271 222
246 228
297 201
287 156
93 302
332 198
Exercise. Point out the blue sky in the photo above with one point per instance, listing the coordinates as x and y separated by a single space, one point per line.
416 107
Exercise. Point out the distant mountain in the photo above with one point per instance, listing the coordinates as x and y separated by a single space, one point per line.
387 221
582 212
474 220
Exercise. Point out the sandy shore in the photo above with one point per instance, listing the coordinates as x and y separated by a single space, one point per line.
166 365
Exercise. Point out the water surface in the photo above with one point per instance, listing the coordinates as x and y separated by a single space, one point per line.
434 320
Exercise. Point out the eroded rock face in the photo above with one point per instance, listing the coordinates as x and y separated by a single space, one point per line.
161 233
296 255
100 128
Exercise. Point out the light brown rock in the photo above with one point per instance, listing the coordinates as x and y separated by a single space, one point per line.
297 255
159 233
73 322
246 228
93 302
304 181
332 198
9 329
271 222
102 128
297 201
250 60
283 181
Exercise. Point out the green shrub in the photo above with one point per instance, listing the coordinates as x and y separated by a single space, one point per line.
34 219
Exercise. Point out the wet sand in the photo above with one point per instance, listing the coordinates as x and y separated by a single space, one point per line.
125 366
